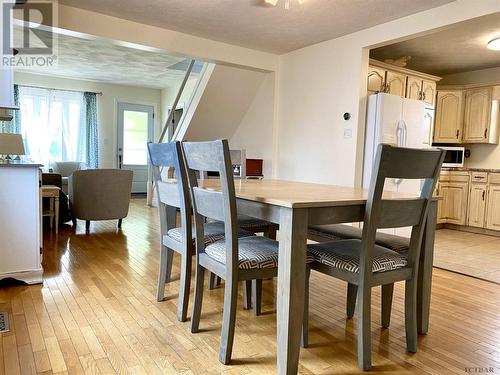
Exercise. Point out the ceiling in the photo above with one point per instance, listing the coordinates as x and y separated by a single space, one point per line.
106 61
460 48
253 24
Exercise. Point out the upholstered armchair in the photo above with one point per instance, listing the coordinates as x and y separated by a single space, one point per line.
100 194
65 169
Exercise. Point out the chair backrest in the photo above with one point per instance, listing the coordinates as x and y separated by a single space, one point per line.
172 193
380 213
219 205
100 194
66 168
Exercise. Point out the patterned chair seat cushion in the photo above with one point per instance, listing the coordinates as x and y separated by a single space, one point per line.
255 225
214 231
344 232
254 252
345 254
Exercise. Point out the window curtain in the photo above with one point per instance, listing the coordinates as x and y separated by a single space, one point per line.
13 126
90 99
53 125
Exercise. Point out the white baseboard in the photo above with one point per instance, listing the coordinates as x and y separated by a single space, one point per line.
29 277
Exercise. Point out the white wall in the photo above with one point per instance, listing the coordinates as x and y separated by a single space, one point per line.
317 84
482 156
106 106
226 100
255 132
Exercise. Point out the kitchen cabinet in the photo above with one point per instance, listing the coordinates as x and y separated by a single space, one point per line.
454 206
429 92
493 202
383 77
454 190
395 83
414 88
449 117
376 79
478 112
477 200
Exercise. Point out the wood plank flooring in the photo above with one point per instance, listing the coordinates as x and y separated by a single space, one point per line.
96 314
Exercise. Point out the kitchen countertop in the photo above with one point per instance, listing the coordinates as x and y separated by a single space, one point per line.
19 164
471 169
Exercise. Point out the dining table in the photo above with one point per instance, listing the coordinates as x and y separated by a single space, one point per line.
295 206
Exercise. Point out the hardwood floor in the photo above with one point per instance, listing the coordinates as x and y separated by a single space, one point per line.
471 254
96 313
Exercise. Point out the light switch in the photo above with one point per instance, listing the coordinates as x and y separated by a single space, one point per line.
348 133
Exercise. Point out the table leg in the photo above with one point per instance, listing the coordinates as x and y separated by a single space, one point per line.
51 208
56 208
425 270
291 287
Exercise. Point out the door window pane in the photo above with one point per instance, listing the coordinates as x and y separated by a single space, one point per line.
135 137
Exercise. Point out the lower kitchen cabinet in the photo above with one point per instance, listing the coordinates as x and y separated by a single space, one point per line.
493 208
454 204
477 205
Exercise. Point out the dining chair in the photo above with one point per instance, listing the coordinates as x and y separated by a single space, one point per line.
173 194
233 259
363 263
329 232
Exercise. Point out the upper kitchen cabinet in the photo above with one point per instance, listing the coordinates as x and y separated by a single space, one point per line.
383 77
395 83
429 92
414 88
449 117
481 116
376 80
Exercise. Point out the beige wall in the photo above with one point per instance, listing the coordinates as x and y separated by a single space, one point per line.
112 94
491 75
482 156
317 84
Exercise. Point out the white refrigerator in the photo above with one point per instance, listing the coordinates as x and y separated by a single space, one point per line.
400 122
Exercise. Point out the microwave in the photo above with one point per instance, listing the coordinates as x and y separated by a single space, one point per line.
454 156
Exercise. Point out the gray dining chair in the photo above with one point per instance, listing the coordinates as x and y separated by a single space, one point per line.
173 194
233 259
329 232
363 263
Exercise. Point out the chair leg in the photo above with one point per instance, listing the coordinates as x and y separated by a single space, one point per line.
211 280
364 327
162 274
198 298
247 295
305 322
184 287
411 315
87 226
257 296
352 291
120 223
228 320
170 261
387 292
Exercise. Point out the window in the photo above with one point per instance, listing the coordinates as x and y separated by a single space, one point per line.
53 125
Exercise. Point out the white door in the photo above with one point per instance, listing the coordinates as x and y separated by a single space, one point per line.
135 130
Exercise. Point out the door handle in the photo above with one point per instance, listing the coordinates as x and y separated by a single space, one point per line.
120 161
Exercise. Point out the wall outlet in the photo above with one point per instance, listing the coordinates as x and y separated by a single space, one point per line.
347 133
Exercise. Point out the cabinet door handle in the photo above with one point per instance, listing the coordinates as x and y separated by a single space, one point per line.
484 193
486 133
458 133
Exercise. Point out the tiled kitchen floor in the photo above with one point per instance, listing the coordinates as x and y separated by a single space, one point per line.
468 253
